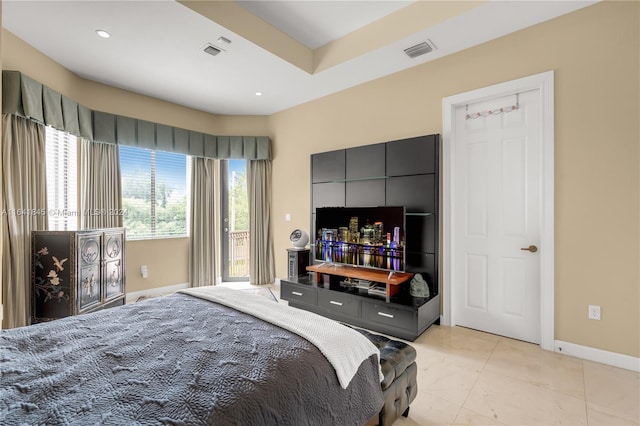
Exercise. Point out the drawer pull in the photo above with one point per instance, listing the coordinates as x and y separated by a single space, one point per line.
296 293
333 302
384 314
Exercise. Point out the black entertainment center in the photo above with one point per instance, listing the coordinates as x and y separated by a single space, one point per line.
374 229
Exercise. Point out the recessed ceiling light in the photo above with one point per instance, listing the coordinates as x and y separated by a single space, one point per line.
258 93
103 33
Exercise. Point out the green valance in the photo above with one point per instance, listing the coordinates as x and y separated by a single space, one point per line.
21 95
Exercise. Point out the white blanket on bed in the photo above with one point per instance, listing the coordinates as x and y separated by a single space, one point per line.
344 348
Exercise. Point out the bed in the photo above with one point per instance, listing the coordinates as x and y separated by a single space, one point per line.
204 357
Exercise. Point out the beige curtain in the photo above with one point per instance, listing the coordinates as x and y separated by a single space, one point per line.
202 267
261 259
100 188
24 209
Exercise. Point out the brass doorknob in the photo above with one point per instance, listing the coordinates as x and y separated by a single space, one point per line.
532 249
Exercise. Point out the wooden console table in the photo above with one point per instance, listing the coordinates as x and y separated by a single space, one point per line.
391 279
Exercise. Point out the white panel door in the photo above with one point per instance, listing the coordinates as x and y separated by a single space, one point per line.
497 215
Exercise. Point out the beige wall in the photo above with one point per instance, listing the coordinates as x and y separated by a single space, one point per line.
167 260
595 55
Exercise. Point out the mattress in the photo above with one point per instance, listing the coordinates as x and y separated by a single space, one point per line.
176 360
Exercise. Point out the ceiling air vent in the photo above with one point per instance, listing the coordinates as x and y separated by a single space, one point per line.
212 50
419 49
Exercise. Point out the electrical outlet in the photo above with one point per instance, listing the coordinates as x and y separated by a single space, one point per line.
594 312
144 271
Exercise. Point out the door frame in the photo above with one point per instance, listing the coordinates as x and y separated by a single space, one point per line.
224 225
224 221
544 83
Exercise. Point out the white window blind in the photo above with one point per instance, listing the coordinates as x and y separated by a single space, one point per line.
154 193
62 179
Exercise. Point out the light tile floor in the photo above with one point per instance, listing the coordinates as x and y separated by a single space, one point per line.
467 377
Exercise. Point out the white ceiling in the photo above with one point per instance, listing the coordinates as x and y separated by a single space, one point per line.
316 23
156 46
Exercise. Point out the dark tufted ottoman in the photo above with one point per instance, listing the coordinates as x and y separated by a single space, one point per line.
399 386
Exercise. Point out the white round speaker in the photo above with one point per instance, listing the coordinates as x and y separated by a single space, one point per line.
299 238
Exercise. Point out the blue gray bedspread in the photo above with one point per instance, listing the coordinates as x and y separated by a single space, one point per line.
175 360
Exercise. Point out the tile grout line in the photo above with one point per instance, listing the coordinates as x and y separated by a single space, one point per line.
584 385
475 383
544 388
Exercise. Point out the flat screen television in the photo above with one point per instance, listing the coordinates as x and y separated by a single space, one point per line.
370 237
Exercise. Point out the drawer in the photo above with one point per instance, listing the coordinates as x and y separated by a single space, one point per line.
382 313
298 293
338 302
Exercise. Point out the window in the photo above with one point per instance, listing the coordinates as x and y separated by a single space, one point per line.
62 172
154 193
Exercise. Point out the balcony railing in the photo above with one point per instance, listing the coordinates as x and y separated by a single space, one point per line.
238 254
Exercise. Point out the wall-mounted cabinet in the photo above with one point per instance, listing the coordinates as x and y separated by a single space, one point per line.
414 156
328 166
365 193
365 162
328 194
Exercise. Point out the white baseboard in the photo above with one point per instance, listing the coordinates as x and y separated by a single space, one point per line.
134 295
585 352
598 355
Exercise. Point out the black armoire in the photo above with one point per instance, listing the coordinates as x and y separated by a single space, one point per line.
75 272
